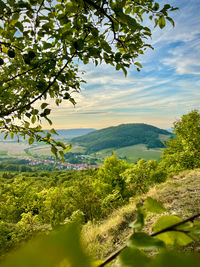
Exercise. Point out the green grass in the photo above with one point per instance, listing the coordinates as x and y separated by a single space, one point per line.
3 152
179 194
132 153
45 150
77 149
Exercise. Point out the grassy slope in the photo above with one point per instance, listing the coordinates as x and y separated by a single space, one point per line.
133 153
180 195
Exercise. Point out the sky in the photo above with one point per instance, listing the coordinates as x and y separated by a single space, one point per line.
167 87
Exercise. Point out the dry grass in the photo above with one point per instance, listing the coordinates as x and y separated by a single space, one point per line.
180 195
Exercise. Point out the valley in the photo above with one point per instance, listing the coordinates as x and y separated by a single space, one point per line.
131 142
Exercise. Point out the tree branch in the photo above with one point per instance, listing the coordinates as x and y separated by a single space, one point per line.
9 45
110 17
27 71
38 97
170 228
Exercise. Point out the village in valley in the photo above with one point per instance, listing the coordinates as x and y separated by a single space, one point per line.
34 162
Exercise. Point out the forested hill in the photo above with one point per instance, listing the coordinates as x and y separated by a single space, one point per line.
122 136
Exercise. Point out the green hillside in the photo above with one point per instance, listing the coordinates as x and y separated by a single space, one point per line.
122 136
130 153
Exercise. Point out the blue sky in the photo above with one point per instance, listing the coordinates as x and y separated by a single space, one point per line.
167 87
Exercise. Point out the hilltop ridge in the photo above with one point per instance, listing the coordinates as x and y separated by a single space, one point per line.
122 136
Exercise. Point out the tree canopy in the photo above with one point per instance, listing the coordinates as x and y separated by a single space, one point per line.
183 152
41 42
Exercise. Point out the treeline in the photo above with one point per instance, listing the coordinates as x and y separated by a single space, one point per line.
122 136
39 201
14 165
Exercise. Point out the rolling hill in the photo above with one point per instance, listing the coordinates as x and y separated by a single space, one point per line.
121 136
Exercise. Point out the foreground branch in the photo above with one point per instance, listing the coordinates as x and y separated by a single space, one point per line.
170 228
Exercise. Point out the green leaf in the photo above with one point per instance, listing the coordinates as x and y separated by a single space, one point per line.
47 111
30 140
72 100
162 22
61 144
174 9
154 206
33 119
11 135
124 71
142 240
47 45
49 121
59 248
175 238
171 21
11 53
165 221
5 136
79 44
167 6
139 222
53 131
171 237
44 105
26 124
62 155
130 257
106 46
176 259
2 6
156 7
1 61
67 148
54 150
138 64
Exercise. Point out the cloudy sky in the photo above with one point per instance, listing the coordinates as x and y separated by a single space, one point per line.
167 87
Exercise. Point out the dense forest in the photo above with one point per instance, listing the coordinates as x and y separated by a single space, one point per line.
38 202
42 200
122 136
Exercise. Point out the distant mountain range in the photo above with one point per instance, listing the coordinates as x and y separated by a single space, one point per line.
122 136
70 133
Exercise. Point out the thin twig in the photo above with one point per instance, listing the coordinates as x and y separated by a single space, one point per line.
27 71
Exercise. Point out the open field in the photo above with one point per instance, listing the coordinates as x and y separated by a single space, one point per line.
132 153
13 148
